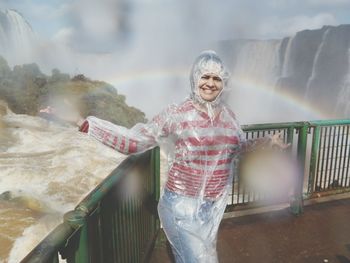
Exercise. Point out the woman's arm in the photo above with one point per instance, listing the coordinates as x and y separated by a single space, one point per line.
139 138
248 145
266 141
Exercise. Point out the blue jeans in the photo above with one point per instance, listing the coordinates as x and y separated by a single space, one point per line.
191 226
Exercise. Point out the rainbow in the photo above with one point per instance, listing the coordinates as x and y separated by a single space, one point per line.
285 97
244 83
147 75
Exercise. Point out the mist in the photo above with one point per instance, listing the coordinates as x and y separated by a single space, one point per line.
145 48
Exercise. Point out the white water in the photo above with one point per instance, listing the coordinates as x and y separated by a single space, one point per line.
315 62
259 60
343 101
286 69
18 40
254 76
48 168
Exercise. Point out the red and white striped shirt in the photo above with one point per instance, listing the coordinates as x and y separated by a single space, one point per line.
204 147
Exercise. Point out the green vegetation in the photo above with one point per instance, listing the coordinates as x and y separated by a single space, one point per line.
26 90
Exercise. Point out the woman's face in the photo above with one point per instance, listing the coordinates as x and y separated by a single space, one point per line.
210 86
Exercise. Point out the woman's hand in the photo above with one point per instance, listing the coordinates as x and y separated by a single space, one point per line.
276 140
67 113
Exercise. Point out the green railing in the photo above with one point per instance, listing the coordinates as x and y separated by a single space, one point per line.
117 222
330 156
322 149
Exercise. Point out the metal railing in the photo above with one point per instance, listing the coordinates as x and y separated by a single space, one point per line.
330 156
322 149
118 222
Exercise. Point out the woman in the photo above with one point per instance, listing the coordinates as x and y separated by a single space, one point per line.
206 139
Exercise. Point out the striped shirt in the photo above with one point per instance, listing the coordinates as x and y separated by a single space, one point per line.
204 147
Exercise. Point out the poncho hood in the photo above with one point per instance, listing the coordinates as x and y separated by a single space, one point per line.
207 62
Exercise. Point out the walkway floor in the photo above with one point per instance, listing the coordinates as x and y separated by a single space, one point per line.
321 234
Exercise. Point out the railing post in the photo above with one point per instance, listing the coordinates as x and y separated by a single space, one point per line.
77 220
156 174
313 159
290 135
296 204
156 167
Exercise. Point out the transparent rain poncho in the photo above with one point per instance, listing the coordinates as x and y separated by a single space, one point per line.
205 139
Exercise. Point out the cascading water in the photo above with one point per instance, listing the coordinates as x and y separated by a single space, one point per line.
313 75
343 100
311 66
18 42
259 59
285 71
46 169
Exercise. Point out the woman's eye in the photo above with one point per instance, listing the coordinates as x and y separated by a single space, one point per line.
205 77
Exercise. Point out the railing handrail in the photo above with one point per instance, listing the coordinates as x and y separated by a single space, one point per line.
329 122
298 124
94 197
47 248
272 126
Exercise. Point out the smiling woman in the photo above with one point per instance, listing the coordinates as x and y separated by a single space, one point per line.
204 140
210 86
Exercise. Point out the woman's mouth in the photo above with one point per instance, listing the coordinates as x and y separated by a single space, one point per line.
208 90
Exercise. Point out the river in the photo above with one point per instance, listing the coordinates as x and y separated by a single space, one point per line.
46 168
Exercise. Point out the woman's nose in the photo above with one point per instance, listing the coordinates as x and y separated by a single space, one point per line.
210 82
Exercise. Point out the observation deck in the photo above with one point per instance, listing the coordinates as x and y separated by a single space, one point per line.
320 234
118 221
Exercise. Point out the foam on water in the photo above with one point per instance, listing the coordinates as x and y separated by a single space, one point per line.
32 235
13 219
47 168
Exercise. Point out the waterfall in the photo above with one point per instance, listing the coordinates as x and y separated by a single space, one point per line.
314 72
343 100
312 67
18 40
258 60
286 69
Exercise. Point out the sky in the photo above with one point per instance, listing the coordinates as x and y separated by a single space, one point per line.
148 41
250 18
